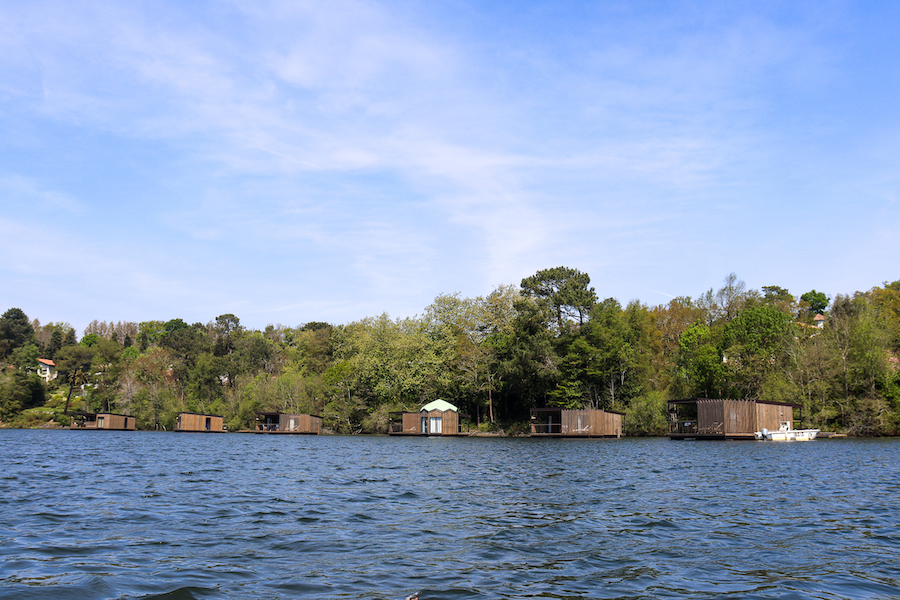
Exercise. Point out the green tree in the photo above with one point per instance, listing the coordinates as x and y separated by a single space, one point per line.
778 297
468 323
105 371
755 346
25 356
565 291
15 331
527 362
19 391
610 359
645 415
700 371
731 297
816 302
74 364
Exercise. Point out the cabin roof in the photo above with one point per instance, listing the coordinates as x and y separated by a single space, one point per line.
441 405
279 414
554 409
199 414
695 400
47 362
78 413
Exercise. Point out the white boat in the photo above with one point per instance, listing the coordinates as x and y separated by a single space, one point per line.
786 433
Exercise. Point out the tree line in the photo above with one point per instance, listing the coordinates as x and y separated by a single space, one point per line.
549 341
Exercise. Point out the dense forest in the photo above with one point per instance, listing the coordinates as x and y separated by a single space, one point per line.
548 342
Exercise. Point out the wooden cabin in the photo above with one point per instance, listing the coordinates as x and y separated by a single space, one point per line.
561 422
435 418
199 423
717 419
275 422
107 421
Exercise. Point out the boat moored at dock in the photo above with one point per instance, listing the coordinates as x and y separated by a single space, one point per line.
786 433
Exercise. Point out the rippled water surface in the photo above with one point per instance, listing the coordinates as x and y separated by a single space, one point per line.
101 514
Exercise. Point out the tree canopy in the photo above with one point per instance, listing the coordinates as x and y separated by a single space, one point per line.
549 342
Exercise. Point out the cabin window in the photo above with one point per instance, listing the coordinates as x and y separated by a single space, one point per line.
435 425
554 427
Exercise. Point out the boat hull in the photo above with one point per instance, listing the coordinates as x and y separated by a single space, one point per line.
793 435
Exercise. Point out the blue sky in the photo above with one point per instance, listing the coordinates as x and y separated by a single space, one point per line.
291 161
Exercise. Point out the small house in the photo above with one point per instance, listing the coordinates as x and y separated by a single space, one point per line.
275 422
199 423
718 419
435 418
562 422
107 421
46 369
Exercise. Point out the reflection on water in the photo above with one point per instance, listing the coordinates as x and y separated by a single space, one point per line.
189 516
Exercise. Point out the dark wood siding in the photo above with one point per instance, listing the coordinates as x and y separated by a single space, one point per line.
450 425
300 424
576 423
740 416
196 422
288 423
710 417
770 416
410 423
733 419
108 421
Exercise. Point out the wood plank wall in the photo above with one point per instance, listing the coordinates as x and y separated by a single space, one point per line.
302 423
729 417
194 422
119 422
740 416
770 416
590 423
710 417
450 422
411 422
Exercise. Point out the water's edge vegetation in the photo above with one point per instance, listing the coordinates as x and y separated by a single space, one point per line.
547 342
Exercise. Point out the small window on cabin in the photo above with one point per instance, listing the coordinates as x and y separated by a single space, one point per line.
687 412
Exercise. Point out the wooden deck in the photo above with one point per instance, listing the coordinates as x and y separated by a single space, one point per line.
717 436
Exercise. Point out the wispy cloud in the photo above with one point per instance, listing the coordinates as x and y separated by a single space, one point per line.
29 194
400 151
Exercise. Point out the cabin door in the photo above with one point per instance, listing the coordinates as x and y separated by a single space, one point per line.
208 423
292 425
101 423
435 425
424 427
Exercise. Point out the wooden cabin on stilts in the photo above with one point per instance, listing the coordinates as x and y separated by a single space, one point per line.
719 419
435 418
562 422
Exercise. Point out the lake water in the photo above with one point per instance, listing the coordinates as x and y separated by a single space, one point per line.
101 514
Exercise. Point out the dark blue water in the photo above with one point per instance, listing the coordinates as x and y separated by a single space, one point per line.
99 514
